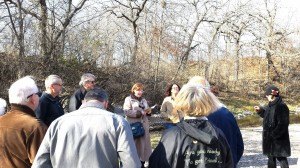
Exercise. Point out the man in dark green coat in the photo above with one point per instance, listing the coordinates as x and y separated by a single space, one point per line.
276 141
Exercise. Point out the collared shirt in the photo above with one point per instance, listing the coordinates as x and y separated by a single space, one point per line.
88 137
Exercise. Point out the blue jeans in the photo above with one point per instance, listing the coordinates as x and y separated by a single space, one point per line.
168 125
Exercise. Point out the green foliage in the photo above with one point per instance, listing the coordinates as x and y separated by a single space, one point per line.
250 121
294 118
239 105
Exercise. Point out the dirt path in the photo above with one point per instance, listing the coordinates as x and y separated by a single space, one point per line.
253 157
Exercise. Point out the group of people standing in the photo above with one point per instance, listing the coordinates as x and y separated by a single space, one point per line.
199 130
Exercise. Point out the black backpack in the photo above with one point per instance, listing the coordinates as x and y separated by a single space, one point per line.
196 153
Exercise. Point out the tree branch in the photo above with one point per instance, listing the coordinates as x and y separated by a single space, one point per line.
24 10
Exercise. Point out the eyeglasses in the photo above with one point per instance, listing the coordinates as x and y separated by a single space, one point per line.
57 84
32 95
93 82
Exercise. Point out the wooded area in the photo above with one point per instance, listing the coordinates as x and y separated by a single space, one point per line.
239 46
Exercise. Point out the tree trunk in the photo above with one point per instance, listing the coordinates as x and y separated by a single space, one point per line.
135 46
43 29
21 69
237 59
159 50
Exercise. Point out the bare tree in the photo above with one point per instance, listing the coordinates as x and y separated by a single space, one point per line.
235 30
203 10
17 26
270 37
217 29
51 32
131 12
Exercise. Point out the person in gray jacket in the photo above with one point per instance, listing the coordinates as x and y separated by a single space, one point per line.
89 137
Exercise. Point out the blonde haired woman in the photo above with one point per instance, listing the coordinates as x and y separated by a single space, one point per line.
194 141
136 109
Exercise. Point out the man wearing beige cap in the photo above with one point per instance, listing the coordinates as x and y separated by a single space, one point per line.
21 132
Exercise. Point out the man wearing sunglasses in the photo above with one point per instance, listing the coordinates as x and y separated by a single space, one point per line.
87 82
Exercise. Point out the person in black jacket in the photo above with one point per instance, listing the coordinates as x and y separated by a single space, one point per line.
87 82
276 141
50 107
194 141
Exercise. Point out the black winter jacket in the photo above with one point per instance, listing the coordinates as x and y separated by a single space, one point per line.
192 143
49 109
76 99
276 141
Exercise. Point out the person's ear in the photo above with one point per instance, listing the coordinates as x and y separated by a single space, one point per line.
106 104
51 87
32 100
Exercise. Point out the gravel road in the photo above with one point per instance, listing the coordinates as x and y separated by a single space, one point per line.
253 157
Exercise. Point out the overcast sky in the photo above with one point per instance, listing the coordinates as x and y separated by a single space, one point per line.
288 13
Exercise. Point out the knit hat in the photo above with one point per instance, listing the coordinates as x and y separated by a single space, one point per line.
272 90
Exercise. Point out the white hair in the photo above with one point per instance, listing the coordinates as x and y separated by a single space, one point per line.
20 90
86 77
52 79
200 81
2 106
